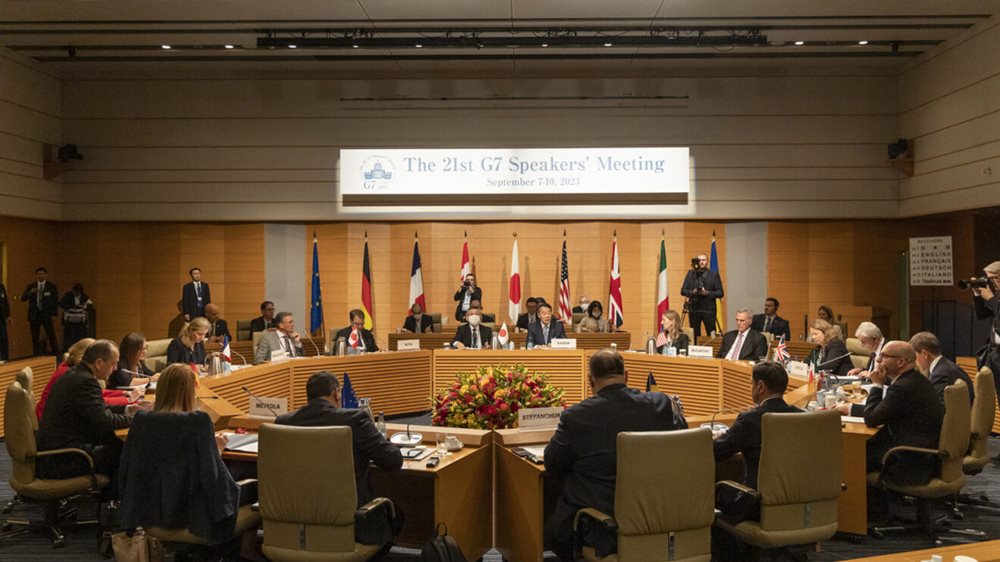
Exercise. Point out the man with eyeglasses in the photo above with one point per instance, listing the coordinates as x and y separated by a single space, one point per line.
908 411
265 320
987 305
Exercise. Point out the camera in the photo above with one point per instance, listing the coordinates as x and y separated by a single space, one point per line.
695 263
975 283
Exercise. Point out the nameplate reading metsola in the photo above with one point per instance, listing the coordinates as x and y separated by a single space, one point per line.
515 176
269 407
532 418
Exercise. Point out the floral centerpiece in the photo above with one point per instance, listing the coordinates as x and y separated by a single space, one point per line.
491 397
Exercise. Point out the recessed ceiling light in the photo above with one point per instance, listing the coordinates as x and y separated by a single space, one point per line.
418 45
355 46
862 42
545 44
293 46
229 46
800 43
607 44
164 46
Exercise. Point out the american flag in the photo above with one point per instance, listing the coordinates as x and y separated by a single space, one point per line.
781 351
661 339
565 310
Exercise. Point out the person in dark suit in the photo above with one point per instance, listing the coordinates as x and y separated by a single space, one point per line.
323 409
541 333
366 341
418 322
831 353
702 287
909 412
486 316
75 416
5 323
770 321
582 307
472 334
42 298
744 343
528 318
195 296
465 294
987 306
767 388
218 329
74 317
265 320
675 338
189 345
940 370
584 447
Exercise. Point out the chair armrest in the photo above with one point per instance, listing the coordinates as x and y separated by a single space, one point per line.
609 522
364 510
738 487
246 481
909 449
86 455
255 506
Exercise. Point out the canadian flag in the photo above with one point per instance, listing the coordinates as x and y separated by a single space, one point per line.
514 292
503 336
355 338
466 266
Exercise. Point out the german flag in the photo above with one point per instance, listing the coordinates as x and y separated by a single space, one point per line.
366 288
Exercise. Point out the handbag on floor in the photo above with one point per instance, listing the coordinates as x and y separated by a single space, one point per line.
441 547
139 547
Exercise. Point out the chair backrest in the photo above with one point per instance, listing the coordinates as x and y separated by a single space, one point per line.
799 473
156 354
657 472
578 317
984 409
258 335
19 435
25 378
954 440
859 354
243 330
436 322
306 489
690 333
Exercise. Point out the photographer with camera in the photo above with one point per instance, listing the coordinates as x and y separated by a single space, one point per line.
701 287
465 294
987 304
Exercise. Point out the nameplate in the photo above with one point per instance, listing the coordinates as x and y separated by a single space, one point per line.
268 407
408 345
529 418
700 351
278 356
798 368
563 343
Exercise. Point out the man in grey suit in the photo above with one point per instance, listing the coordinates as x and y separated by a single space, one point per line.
940 370
282 338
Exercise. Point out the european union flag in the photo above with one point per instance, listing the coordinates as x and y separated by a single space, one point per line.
651 383
316 304
347 397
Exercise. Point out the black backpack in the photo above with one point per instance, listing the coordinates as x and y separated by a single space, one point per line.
441 547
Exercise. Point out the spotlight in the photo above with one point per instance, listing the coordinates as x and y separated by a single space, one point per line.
862 42
355 46
68 152
293 46
166 47
230 46
800 43
418 45
545 45
607 44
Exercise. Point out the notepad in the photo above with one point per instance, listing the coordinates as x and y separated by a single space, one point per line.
242 443
537 451
852 419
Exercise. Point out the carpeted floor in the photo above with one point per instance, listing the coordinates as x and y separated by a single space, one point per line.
82 544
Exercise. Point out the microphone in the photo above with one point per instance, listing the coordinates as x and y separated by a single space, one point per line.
240 355
316 347
848 354
134 374
725 411
259 401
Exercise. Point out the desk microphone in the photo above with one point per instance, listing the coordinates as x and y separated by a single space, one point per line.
240 355
316 347
134 374
848 354
725 411
259 401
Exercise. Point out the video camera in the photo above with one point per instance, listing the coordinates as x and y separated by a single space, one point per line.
695 263
976 283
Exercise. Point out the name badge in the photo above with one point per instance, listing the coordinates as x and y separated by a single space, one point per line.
563 343
268 407
278 356
700 351
798 368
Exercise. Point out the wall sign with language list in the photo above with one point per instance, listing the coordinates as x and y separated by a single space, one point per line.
931 262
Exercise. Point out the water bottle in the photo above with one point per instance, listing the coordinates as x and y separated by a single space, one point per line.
650 346
380 426
530 341
495 342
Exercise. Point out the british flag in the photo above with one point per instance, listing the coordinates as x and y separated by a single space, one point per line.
781 351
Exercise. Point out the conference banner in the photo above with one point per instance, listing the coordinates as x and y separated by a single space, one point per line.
514 176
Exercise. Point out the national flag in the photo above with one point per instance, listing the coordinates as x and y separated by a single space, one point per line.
416 281
713 265
812 376
348 399
651 383
503 336
366 288
514 291
565 310
616 315
354 339
781 350
466 264
226 352
316 303
661 339
662 298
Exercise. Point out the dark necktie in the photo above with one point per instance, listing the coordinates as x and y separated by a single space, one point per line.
288 346
767 324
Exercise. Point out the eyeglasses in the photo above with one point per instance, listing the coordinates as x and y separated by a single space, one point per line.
891 356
